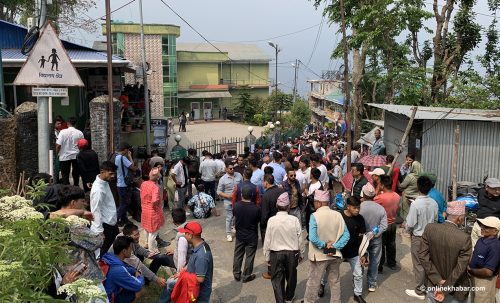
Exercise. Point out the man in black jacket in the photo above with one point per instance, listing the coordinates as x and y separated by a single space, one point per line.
268 207
88 164
360 180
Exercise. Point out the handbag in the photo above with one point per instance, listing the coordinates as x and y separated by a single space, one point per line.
129 180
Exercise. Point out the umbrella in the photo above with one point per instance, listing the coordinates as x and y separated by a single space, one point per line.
348 180
373 160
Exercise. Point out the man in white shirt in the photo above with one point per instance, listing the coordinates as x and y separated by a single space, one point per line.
103 207
282 246
67 149
316 162
180 175
304 172
208 170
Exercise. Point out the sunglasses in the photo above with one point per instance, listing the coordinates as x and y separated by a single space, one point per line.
230 168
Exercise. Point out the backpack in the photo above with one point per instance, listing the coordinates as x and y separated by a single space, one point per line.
105 269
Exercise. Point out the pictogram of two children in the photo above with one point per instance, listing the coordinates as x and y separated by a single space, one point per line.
53 58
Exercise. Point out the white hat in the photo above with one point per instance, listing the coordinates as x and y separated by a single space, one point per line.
490 222
492 182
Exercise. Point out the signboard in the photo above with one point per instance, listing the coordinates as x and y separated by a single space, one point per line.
48 63
49 91
178 154
228 146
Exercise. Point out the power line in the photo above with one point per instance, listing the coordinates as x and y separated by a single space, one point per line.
318 35
308 68
203 37
271 38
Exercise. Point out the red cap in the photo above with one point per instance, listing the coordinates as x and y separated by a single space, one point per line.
82 143
192 227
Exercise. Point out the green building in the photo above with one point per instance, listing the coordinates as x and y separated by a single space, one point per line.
211 79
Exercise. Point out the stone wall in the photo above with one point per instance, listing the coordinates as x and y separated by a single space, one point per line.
99 125
7 153
26 143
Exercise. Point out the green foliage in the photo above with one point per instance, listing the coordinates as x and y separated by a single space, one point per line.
299 116
246 107
36 191
258 119
280 101
29 248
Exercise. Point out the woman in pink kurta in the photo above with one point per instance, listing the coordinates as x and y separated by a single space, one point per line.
152 218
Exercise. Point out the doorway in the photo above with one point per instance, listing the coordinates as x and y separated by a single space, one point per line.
195 107
207 110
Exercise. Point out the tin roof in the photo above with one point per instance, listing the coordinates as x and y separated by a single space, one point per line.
236 51
442 113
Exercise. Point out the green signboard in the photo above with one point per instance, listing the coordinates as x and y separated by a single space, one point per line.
178 154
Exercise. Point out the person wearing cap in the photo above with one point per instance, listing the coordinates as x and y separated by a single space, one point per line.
88 164
488 199
485 261
376 173
247 218
389 200
200 263
66 148
356 225
423 211
328 234
378 147
375 217
281 248
225 190
444 253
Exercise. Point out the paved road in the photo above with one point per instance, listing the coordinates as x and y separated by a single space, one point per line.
226 289
201 131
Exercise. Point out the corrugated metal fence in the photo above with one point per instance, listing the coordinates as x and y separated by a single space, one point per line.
479 152
217 146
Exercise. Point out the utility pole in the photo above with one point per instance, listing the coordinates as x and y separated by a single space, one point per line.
109 55
347 94
43 113
296 67
277 50
145 83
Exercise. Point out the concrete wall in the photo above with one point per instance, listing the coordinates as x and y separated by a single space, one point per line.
199 73
246 73
8 176
99 125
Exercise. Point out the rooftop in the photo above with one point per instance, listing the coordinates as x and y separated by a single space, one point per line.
442 113
236 51
149 29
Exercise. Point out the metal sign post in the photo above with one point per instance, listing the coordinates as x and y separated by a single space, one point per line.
47 66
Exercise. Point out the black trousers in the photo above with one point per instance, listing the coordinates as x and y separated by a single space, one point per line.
110 233
66 167
247 250
210 188
388 246
284 269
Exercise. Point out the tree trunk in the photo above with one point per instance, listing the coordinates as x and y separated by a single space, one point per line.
358 67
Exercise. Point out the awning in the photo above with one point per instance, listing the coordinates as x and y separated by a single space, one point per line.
204 95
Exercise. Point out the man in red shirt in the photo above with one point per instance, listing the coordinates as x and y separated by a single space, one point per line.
395 171
390 201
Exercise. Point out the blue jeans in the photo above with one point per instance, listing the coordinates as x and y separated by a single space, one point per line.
167 291
374 254
229 216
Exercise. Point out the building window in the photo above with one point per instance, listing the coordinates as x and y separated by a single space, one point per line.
169 71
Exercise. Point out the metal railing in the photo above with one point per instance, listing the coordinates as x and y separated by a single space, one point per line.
217 146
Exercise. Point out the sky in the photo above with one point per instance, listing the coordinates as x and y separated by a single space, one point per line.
258 21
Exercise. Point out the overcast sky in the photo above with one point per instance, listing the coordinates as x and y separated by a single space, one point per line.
262 20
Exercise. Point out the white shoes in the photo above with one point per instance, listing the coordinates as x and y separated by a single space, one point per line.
229 238
413 294
372 288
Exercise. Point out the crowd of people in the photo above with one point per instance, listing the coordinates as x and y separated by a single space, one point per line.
297 198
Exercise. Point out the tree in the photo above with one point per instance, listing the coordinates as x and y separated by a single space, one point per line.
280 101
245 107
68 14
299 116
